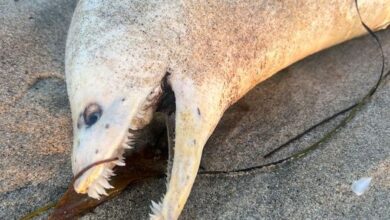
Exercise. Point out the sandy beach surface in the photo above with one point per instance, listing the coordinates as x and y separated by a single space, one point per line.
36 135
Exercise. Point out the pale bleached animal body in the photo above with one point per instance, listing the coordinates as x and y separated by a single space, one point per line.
118 53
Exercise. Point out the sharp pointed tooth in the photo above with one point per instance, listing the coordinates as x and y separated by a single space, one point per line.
105 175
120 163
127 147
154 211
155 207
110 172
92 193
154 204
101 190
104 183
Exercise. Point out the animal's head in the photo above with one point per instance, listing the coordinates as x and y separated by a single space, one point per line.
105 116
114 84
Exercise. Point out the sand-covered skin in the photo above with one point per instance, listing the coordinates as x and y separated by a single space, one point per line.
35 132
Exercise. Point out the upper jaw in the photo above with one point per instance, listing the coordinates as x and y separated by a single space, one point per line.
95 180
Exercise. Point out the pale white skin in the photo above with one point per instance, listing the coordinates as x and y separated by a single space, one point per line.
118 52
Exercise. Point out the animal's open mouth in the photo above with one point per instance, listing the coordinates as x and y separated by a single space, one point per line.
95 178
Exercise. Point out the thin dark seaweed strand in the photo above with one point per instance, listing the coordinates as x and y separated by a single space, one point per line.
93 165
376 38
309 130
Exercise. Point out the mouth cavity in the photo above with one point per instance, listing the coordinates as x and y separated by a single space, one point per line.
94 179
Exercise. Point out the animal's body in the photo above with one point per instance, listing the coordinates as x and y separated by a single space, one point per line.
212 52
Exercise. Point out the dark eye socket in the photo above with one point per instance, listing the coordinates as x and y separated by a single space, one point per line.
92 114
